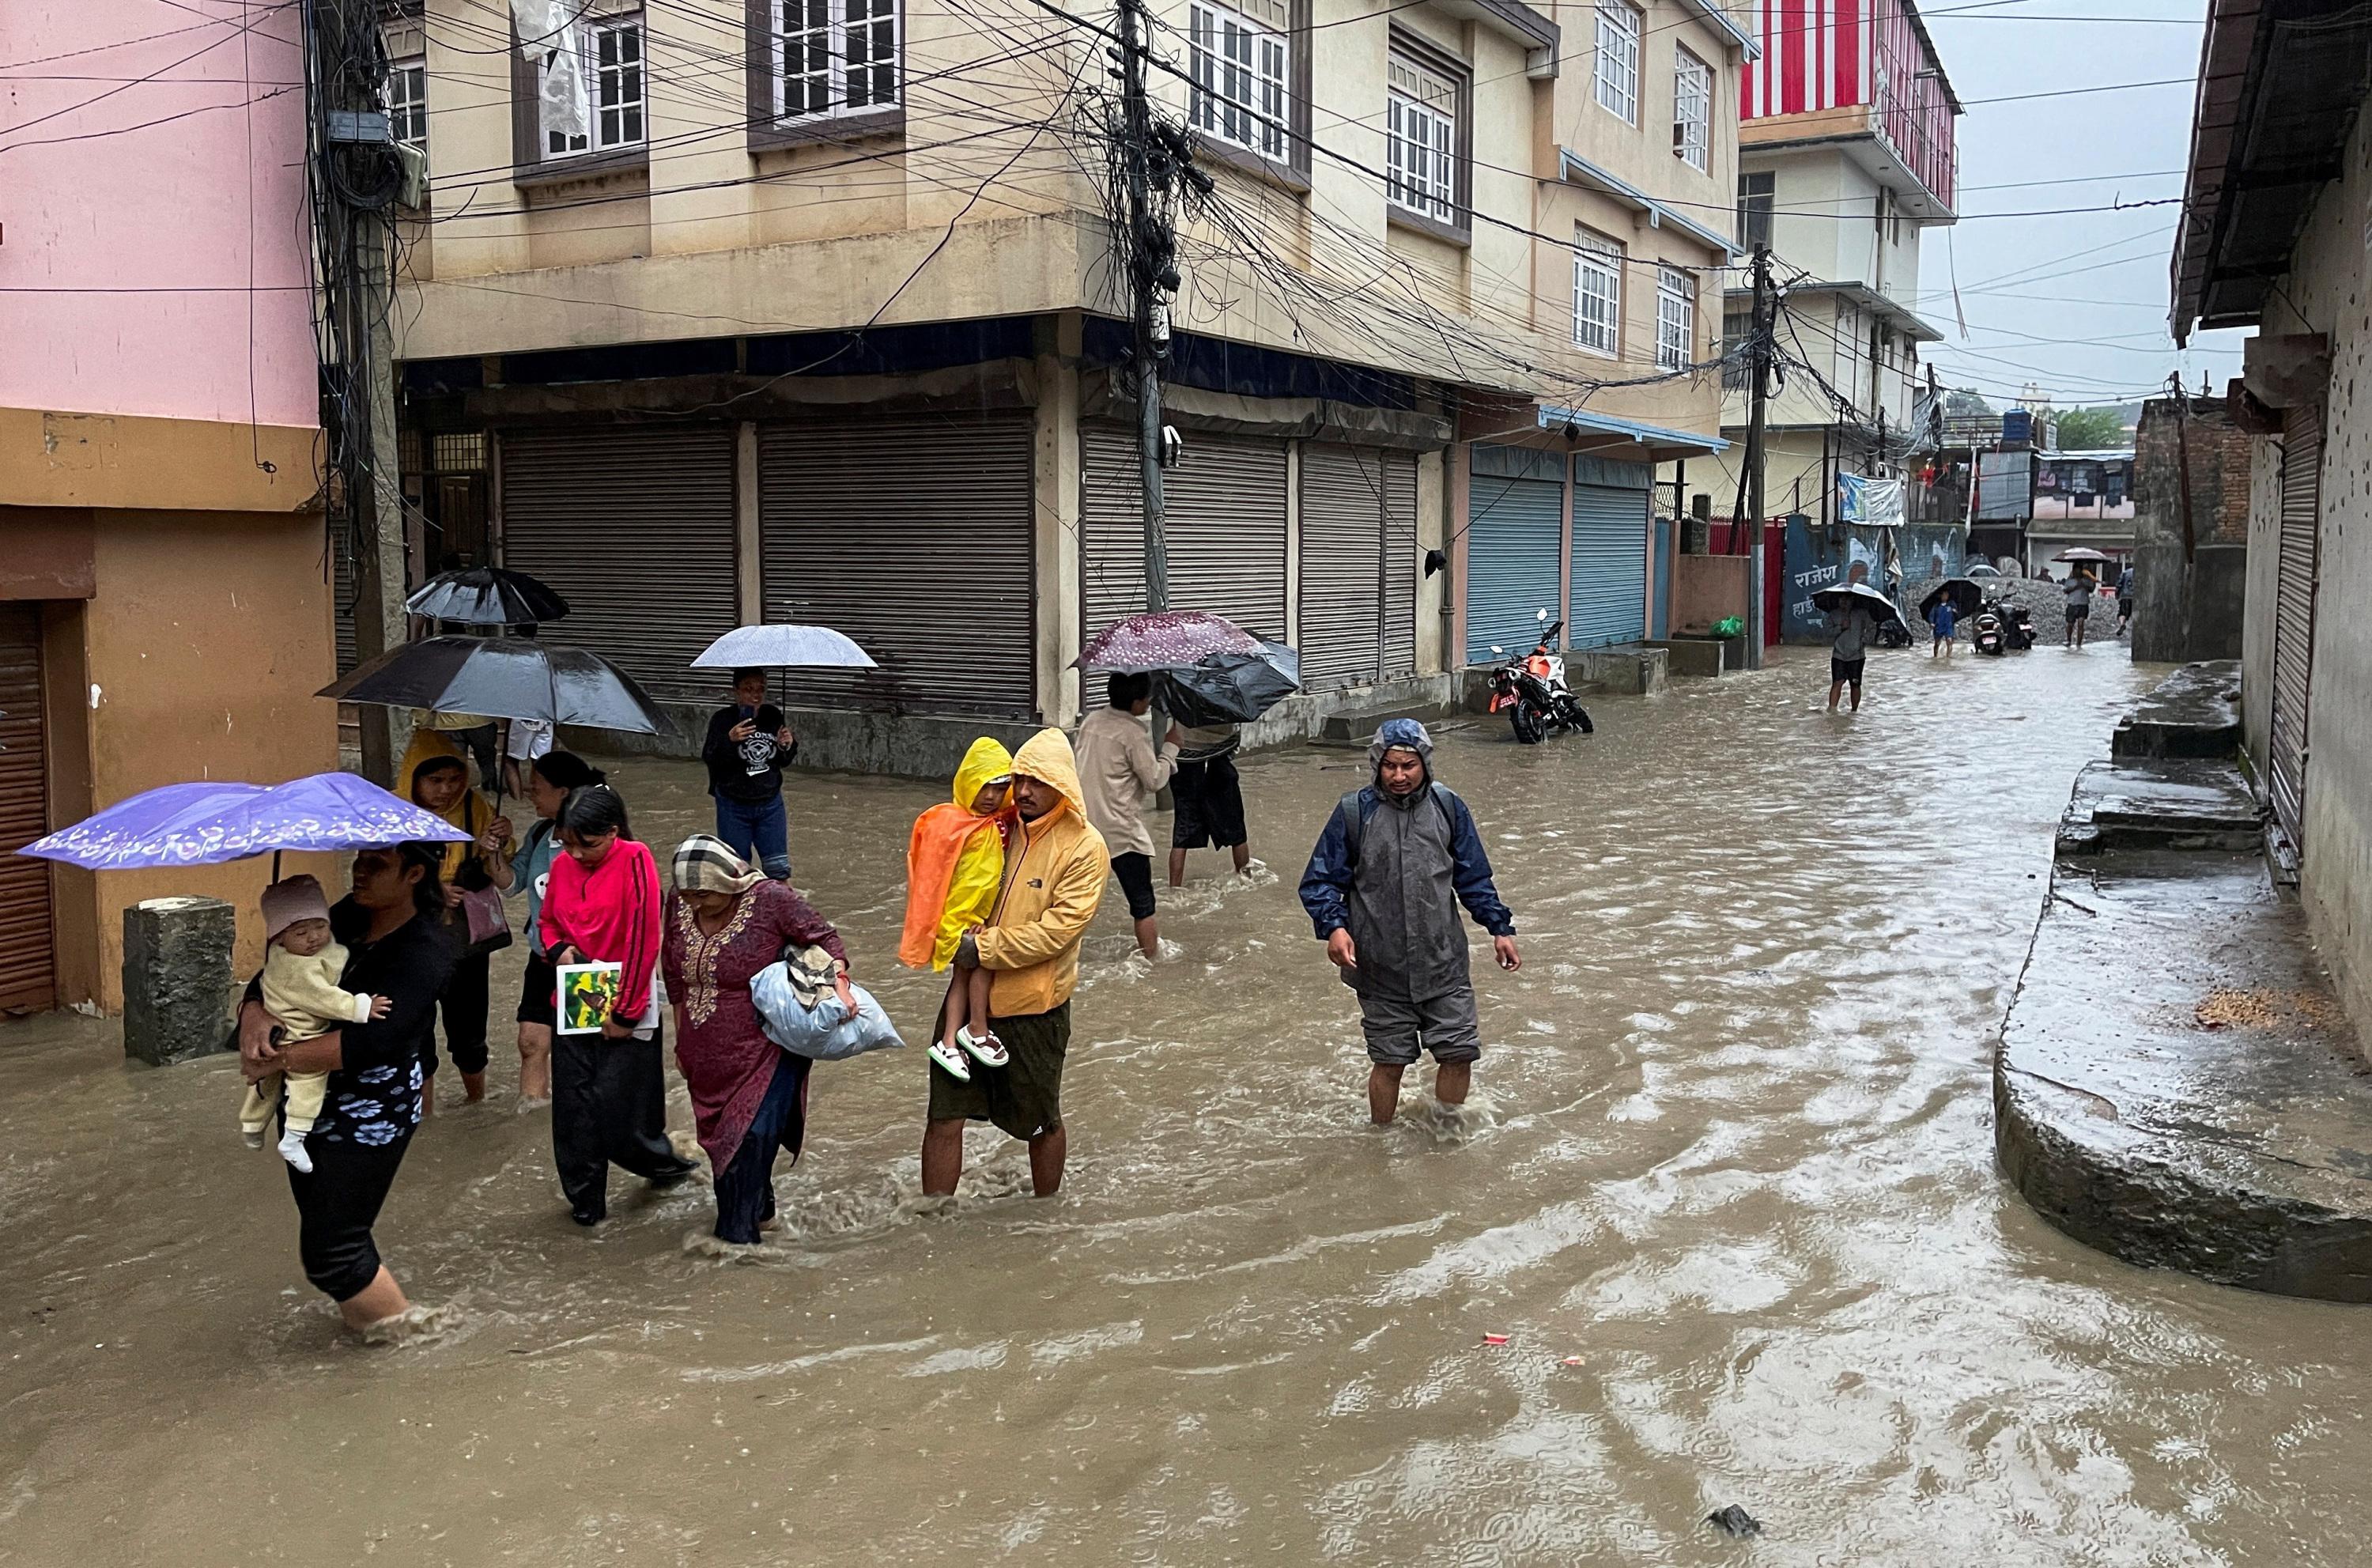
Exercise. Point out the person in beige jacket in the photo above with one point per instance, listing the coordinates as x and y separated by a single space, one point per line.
1120 771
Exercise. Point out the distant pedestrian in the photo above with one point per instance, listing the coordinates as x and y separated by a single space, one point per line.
550 780
434 777
609 1090
1942 620
1207 798
1055 872
747 747
2078 589
1382 890
1856 627
2124 600
1119 770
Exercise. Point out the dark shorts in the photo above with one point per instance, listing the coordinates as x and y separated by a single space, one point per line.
1446 1025
1022 1098
1210 805
2078 613
536 993
1135 873
1845 670
2124 609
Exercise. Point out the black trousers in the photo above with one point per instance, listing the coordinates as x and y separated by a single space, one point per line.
608 1107
745 1189
337 1204
463 1002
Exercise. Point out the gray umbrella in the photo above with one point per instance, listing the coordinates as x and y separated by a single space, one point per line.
504 679
784 647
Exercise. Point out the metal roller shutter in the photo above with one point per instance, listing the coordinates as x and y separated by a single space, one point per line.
1610 565
1358 566
1514 534
1224 521
2294 605
911 534
633 526
28 972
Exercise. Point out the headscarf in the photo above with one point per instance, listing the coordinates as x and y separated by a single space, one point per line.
470 812
706 864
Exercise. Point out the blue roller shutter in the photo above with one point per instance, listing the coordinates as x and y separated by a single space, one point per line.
1515 529
1609 552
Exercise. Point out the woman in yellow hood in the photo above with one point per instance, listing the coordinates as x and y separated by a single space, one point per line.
955 863
436 777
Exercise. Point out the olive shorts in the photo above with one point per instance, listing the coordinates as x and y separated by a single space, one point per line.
1024 1098
1445 1025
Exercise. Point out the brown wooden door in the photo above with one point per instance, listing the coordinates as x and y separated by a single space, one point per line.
28 968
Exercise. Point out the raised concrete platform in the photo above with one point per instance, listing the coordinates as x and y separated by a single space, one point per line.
2177 1084
1703 656
2184 803
2195 712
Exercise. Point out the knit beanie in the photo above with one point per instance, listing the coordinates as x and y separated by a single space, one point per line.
289 901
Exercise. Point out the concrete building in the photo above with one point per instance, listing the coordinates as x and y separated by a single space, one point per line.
1846 157
2082 500
2190 574
2272 238
163 613
821 325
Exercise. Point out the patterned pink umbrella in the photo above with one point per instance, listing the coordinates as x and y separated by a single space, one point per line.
1167 639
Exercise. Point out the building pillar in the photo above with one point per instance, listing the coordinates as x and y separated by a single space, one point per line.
1458 504
1432 528
749 538
1293 545
1055 485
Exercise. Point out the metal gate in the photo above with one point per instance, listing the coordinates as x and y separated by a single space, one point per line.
1224 519
1358 566
2293 598
633 526
911 533
28 971
1609 552
1514 533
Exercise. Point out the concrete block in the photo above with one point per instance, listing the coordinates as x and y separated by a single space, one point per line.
2195 712
1628 671
177 979
1693 656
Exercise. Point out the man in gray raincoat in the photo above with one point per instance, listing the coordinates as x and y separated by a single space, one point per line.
1382 888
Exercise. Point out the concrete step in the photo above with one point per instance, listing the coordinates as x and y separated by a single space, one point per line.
2195 712
2182 803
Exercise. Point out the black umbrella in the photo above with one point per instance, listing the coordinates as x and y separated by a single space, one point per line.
504 679
486 595
1869 598
1967 597
1231 688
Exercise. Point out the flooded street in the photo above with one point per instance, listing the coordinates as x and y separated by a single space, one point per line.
1730 1148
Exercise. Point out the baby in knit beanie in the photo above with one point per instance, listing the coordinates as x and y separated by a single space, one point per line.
302 967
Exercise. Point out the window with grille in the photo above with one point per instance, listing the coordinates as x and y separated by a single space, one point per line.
1596 295
407 101
1691 109
1618 60
1421 139
1756 198
1240 69
834 56
1676 318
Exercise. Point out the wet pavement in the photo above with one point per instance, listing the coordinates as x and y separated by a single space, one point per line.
1731 1150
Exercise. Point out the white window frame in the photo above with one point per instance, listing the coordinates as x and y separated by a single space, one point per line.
1421 140
605 126
1598 296
859 39
1676 318
1747 208
407 100
1619 27
1692 109
1242 76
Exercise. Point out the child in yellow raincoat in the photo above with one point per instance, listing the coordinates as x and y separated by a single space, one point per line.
955 867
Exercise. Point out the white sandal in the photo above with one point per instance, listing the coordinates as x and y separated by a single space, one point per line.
951 1061
986 1049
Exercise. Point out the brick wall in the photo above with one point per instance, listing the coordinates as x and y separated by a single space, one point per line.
2219 474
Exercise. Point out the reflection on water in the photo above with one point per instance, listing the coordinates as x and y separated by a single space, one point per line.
1725 1187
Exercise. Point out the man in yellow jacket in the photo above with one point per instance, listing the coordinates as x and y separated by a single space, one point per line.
1054 871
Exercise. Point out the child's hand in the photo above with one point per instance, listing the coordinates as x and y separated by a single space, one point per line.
379 1006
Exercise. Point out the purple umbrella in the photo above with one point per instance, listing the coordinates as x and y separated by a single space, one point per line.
1166 639
205 824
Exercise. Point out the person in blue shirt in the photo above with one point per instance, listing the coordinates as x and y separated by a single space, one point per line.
1944 619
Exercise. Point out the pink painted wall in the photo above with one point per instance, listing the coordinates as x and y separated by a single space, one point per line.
96 194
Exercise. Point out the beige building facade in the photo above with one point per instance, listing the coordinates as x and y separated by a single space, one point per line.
728 310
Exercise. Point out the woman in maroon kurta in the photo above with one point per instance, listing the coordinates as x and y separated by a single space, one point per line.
725 921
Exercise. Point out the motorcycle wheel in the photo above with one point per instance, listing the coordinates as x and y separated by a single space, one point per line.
1526 722
1578 717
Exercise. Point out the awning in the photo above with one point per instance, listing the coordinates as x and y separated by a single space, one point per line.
1892 311
1605 435
1579 170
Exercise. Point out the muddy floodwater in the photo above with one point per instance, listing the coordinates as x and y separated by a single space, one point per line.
1730 1154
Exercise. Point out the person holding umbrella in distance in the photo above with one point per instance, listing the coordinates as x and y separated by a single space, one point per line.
1856 609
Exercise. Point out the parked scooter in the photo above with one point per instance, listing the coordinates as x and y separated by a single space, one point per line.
1532 691
2003 626
1986 631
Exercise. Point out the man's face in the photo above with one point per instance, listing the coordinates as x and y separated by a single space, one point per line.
1035 797
1402 771
750 691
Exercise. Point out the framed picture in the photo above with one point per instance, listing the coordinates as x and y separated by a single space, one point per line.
587 991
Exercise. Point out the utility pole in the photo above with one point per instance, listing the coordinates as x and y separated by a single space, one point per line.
1756 421
354 181
1151 249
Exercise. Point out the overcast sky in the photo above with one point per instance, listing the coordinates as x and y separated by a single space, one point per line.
2075 303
